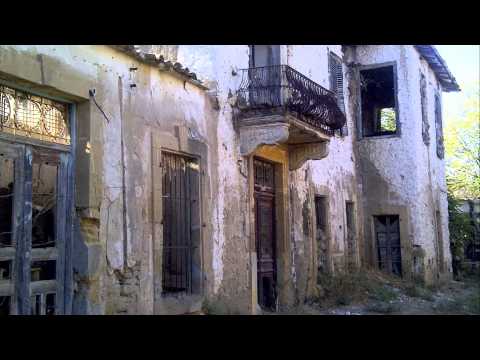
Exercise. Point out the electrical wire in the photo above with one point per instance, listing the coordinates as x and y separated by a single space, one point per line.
92 96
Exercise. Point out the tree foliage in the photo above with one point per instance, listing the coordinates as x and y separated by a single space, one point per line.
462 146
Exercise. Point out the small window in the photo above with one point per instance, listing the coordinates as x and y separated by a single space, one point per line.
379 112
321 212
336 84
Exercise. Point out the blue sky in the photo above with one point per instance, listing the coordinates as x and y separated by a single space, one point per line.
463 62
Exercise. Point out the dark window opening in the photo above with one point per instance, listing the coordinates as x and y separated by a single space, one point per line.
5 270
321 234
321 212
4 305
180 221
336 84
43 304
43 270
6 200
387 233
379 113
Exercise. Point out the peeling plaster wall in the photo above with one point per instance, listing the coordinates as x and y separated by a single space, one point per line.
333 176
114 266
121 278
216 65
395 170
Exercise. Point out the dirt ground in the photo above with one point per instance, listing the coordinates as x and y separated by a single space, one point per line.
385 295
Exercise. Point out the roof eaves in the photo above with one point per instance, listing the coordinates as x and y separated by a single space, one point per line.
439 66
176 69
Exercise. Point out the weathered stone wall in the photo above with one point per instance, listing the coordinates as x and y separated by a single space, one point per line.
398 173
114 263
114 268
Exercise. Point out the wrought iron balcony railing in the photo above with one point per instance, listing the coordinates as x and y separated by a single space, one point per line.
282 87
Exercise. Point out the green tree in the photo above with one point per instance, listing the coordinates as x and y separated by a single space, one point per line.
462 148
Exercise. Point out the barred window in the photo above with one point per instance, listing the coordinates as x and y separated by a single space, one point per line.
33 116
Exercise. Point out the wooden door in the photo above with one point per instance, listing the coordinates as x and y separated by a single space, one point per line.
33 229
264 196
387 232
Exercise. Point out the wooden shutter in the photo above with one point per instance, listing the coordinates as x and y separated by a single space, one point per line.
439 127
336 84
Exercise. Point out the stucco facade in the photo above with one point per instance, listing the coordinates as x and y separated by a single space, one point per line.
142 107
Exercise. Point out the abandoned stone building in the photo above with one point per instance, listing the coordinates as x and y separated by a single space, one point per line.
157 179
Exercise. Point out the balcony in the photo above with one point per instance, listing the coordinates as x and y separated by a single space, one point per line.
277 104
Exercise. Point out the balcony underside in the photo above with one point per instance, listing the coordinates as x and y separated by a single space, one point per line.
304 141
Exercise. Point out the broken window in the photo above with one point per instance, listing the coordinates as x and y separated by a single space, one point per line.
439 127
336 84
423 101
321 235
181 216
378 101
387 233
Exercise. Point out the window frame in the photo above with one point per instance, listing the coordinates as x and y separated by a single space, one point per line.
398 132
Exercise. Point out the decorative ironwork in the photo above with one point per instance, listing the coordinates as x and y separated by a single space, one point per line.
33 116
282 87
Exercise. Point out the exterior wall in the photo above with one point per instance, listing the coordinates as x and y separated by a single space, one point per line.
118 234
399 175
114 270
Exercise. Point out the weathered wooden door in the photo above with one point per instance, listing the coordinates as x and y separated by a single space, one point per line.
387 232
33 229
264 194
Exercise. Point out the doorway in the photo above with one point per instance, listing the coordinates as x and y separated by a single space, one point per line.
265 76
265 233
387 234
33 225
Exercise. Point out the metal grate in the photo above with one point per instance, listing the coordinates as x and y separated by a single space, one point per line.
33 116
180 204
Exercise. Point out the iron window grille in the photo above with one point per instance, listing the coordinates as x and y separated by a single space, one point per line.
33 116
180 215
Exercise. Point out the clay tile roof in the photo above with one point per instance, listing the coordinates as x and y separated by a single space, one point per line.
439 67
160 62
